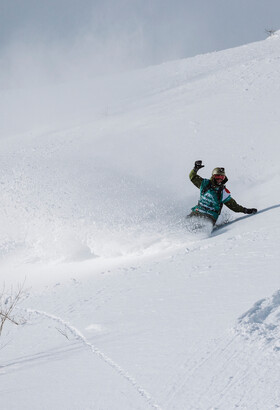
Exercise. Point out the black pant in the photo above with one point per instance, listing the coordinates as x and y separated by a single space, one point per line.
198 214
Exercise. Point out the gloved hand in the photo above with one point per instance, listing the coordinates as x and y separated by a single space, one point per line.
250 211
198 165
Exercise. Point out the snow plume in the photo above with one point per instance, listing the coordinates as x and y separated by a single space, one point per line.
61 215
80 337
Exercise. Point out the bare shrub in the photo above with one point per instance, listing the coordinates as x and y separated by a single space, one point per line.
63 332
9 299
270 32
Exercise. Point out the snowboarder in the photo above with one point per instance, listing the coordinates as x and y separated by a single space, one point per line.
213 195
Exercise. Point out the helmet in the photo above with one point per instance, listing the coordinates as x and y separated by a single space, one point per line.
219 171
219 176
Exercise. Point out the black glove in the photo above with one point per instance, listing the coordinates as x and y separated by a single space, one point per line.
198 165
250 211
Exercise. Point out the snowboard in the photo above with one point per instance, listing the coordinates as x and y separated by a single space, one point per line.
224 224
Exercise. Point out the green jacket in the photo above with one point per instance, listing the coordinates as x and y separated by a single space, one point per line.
212 198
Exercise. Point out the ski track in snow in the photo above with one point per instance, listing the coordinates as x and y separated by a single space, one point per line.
223 379
79 336
249 351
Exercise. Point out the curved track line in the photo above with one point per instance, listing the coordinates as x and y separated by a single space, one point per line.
79 336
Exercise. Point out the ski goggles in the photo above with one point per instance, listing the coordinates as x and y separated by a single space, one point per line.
219 177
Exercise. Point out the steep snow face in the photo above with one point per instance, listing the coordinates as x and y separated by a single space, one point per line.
94 194
102 168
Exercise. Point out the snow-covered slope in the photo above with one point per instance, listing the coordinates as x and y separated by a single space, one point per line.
125 309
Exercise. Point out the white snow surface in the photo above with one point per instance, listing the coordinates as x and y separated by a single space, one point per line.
124 308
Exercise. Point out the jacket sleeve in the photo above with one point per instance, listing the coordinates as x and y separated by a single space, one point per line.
196 179
234 206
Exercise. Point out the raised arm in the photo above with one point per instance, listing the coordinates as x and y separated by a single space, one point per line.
196 179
